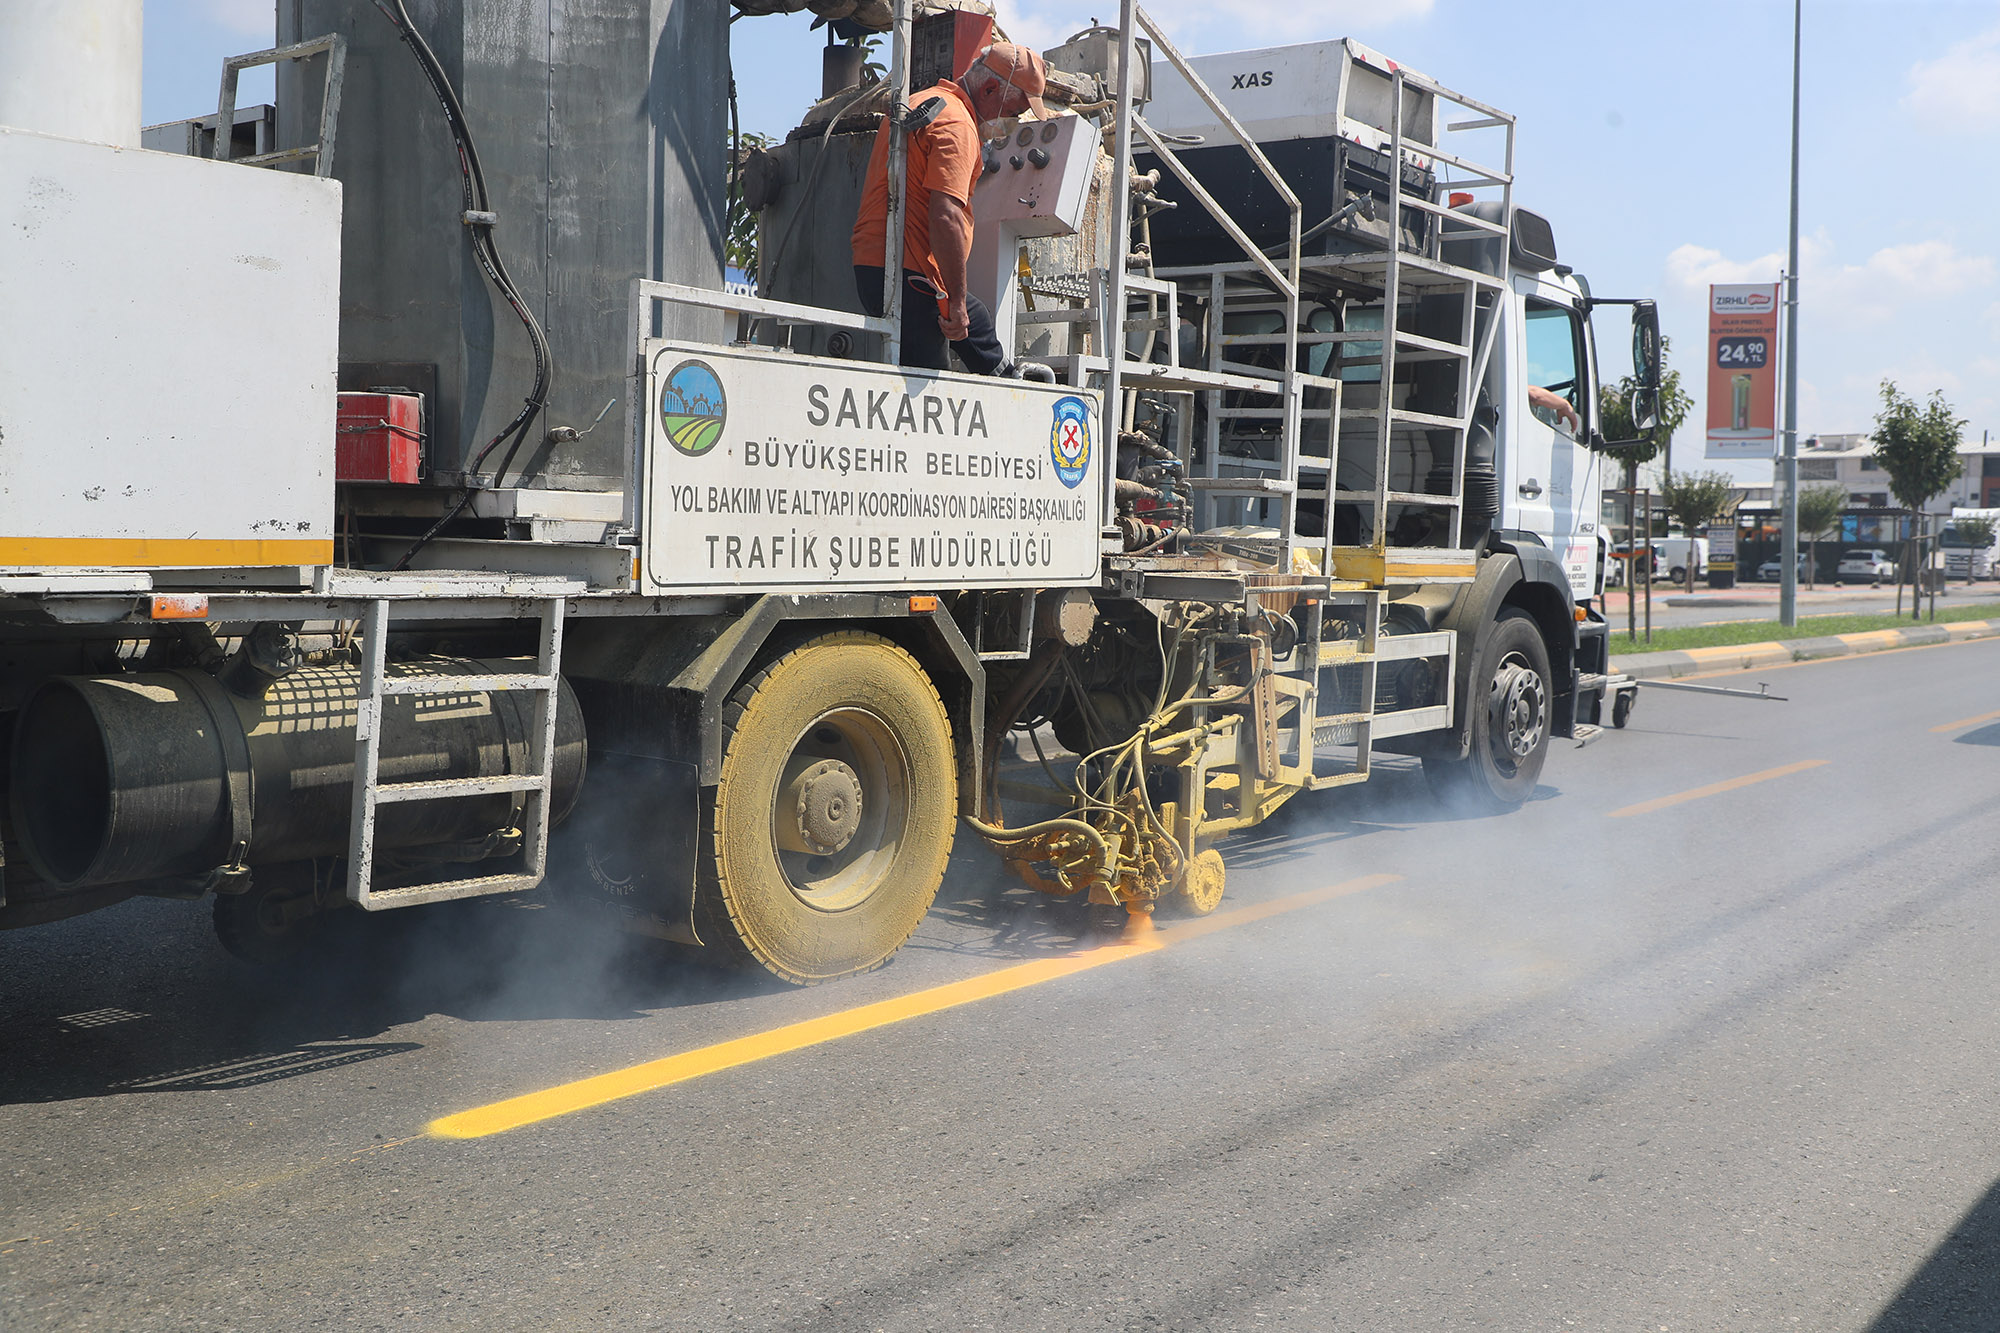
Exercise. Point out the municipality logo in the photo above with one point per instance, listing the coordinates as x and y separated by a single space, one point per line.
692 408
1069 440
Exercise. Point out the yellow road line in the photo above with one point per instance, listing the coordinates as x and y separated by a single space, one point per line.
1962 723
531 1108
1717 788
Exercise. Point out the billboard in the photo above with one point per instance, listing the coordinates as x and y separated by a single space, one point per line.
1743 370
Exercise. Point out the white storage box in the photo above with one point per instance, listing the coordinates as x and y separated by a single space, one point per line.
169 328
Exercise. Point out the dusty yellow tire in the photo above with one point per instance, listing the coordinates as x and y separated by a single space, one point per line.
834 813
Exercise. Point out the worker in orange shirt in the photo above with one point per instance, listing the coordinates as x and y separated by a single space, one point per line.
1003 81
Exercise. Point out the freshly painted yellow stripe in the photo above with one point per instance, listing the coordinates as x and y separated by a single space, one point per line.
530 1108
158 552
1965 722
1717 788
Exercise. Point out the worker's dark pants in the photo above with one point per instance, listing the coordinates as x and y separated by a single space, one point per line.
923 340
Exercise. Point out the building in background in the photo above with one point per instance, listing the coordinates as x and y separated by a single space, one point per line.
1874 520
1848 461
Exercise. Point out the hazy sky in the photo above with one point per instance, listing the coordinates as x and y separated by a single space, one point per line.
1655 137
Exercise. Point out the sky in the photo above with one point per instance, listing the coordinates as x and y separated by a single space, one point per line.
1656 138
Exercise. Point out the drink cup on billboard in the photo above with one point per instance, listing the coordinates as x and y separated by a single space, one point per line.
1740 416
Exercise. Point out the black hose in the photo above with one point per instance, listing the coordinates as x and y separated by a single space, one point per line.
474 199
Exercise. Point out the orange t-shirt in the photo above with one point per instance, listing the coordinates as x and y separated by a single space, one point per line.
944 156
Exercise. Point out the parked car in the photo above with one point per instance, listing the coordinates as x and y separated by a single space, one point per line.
1872 567
1772 570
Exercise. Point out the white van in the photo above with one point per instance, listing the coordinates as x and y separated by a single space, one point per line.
1673 556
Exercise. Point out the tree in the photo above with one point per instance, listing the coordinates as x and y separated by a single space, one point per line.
739 247
1820 508
1918 448
1694 500
1977 533
1614 404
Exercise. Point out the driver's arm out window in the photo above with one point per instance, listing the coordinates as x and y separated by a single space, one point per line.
1554 359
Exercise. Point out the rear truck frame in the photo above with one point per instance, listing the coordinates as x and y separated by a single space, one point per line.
834 609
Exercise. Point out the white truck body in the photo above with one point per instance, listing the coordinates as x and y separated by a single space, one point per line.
1962 558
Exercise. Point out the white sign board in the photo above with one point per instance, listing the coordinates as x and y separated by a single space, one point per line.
768 472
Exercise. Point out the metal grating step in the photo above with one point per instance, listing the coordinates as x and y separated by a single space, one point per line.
439 789
428 684
447 890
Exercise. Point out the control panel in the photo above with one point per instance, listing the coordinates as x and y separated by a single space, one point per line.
1034 182
1037 178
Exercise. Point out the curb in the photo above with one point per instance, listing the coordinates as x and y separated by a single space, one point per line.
1654 666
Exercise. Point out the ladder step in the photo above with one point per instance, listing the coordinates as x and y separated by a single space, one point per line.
436 684
439 789
446 890
1148 375
1243 485
1585 733
1399 498
1413 271
1405 415
1341 729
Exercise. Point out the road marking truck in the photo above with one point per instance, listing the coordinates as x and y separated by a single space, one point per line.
397 506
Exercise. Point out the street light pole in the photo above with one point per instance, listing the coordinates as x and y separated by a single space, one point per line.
1788 559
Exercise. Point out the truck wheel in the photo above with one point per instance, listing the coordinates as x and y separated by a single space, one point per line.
829 829
273 920
1510 734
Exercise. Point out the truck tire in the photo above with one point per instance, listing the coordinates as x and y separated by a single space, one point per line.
1510 733
273 921
826 836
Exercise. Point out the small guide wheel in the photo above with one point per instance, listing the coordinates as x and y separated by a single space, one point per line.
1199 891
1621 707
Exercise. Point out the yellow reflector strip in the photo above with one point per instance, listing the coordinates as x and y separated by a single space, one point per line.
160 552
533 1107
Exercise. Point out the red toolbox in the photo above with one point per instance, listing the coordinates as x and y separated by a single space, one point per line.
380 437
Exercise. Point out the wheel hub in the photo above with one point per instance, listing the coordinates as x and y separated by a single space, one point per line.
1519 711
824 801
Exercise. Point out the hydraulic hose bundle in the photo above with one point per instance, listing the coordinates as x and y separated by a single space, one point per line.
477 214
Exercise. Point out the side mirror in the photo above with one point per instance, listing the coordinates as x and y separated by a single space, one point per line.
1646 368
1645 409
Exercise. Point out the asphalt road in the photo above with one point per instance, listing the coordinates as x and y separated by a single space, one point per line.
1722 1063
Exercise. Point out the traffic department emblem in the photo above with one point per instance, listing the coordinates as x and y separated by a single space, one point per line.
692 408
1069 440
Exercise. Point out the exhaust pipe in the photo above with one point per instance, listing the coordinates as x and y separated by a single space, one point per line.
167 774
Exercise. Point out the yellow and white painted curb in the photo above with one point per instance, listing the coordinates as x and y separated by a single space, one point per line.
1743 656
